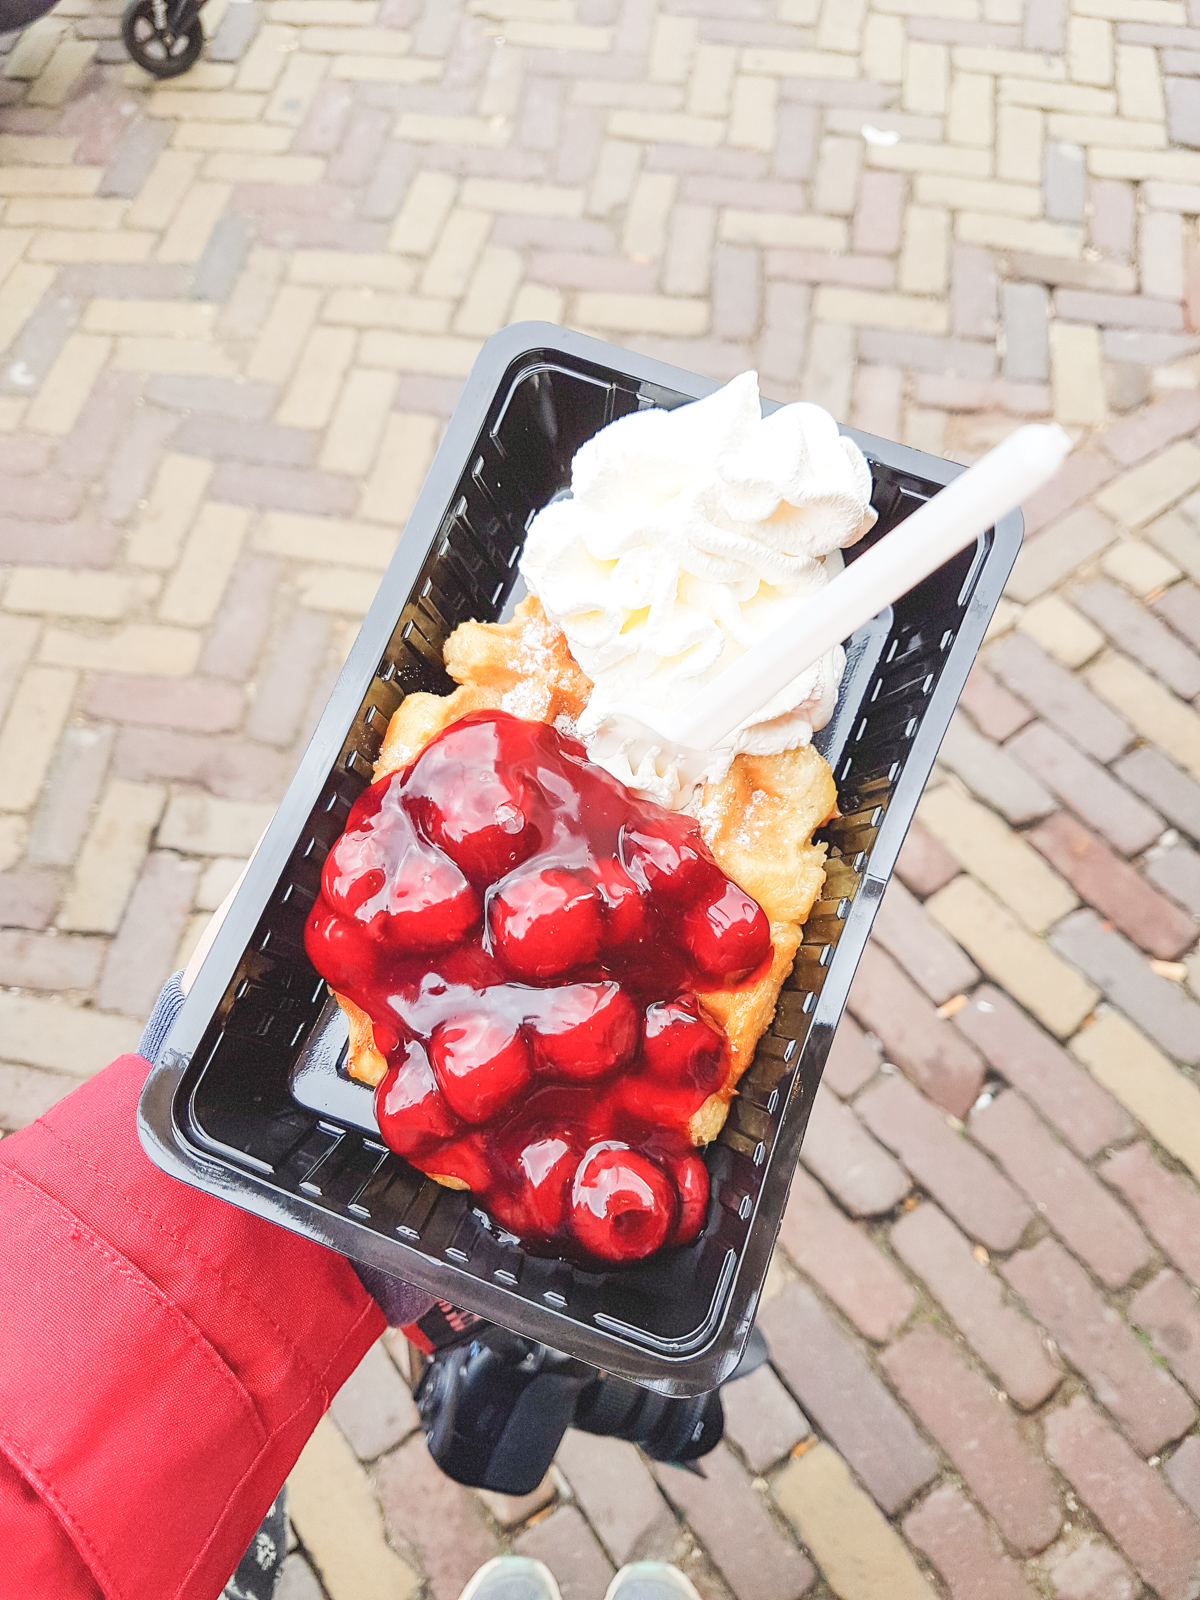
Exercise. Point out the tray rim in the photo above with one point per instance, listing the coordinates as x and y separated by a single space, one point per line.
167 1145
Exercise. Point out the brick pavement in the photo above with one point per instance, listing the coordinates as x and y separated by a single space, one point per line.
235 312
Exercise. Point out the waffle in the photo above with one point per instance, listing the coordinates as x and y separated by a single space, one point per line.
758 822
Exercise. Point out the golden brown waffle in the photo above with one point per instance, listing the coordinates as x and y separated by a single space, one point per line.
758 822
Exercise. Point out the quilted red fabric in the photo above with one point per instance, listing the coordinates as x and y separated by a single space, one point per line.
165 1357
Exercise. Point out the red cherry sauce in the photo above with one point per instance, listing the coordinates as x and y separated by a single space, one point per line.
528 936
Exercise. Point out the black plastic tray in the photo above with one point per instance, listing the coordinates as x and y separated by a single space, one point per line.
249 1101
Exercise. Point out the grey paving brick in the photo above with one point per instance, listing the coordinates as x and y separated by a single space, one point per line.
993 775
1064 182
144 141
233 38
1177 873
224 257
1159 1007
830 1377
1158 780
1092 792
1045 26
974 291
1183 110
1026 310
1136 632
1059 697
1052 555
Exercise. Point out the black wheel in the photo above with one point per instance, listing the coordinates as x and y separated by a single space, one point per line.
154 44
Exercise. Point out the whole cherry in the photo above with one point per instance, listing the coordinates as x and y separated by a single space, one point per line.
726 934
681 1046
622 1204
482 1063
665 852
544 924
544 1168
691 1183
473 793
586 1031
411 1109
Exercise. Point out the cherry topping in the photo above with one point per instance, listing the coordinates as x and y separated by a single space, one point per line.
341 950
666 853
472 798
681 1045
528 937
545 923
691 1181
466 1159
624 909
621 1203
405 893
412 1111
727 936
545 1168
590 1031
481 1062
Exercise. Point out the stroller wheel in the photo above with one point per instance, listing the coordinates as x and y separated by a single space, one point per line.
157 46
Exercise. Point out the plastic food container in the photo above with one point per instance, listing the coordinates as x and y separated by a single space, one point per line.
250 1101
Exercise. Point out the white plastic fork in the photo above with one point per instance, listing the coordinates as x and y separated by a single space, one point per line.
954 518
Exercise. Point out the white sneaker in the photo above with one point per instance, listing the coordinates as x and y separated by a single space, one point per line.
650 1580
513 1578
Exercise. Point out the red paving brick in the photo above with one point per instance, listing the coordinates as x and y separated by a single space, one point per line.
995 711
1146 1401
1075 1204
980 1435
1117 890
859 1171
1083 473
572 1552
1166 1308
958 1175
924 863
618 1496
930 957
1183 1471
853 1059
199 704
1014 1046
922 1044
1167 1204
1007 1342
758 1560
950 1533
434 1516
840 1257
1134 438
762 1419
1093 1571
1059 697
1128 1498
837 1388
1087 787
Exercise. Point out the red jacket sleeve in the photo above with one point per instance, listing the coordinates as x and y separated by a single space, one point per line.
165 1358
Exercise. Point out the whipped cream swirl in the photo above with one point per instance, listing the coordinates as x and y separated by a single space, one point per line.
688 535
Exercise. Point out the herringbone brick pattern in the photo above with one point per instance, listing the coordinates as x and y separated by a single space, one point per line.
236 310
